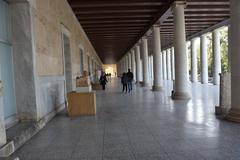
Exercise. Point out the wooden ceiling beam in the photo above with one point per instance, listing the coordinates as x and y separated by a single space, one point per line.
93 17
113 25
114 22
115 11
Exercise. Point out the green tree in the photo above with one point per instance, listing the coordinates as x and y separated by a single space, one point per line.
210 55
224 49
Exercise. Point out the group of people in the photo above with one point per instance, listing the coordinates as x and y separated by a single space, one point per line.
126 80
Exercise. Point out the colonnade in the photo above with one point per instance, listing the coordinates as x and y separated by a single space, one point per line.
172 63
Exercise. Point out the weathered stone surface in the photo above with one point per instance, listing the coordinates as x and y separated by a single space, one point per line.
225 94
47 19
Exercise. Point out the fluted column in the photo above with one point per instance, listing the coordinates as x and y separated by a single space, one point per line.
168 57
138 65
144 51
126 63
157 60
194 76
129 60
181 76
133 64
164 64
204 60
216 57
173 63
234 113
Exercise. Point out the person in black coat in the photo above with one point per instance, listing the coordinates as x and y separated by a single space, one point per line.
103 80
124 81
130 79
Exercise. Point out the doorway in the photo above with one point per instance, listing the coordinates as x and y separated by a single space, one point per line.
67 63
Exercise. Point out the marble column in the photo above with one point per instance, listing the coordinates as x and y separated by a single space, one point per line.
133 64
168 57
173 63
129 60
204 60
157 60
234 113
138 65
181 88
164 65
216 57
194 74
144 51
126 63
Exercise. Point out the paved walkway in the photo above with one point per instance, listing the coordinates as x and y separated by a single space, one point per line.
142 125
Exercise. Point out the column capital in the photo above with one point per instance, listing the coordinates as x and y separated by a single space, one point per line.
136 45
143 38
156 25
203 35
194 39
179 3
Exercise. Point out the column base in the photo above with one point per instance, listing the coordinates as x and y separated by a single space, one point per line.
233 115
180 96
157 88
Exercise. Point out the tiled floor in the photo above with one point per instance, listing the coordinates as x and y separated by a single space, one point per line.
142 125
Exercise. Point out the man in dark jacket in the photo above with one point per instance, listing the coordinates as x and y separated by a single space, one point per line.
103 80
130 79
124 80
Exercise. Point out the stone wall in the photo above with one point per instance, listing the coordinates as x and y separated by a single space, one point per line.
48 17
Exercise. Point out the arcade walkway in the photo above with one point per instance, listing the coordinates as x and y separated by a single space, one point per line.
142 125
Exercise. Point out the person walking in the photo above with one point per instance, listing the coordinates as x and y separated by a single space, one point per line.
130 79
103 80
124 81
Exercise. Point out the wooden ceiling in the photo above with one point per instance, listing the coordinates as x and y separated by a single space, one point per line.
114 26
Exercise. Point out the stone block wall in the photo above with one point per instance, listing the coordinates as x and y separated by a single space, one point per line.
48 19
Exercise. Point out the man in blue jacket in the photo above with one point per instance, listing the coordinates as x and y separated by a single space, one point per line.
130 79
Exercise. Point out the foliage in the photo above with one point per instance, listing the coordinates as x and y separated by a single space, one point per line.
224 50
